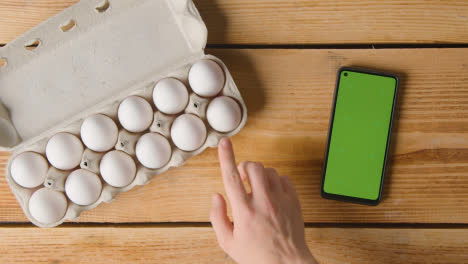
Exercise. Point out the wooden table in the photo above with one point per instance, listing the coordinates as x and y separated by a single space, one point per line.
284 55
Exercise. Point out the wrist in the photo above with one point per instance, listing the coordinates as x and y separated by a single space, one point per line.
306 258
301 257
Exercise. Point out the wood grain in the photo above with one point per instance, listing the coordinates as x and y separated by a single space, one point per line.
292 22
198 245
289 94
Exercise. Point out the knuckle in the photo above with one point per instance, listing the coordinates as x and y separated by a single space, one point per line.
256 168
259 166
249 165
242 164
271 171
233 175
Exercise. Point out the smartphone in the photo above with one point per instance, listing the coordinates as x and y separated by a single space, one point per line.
359 136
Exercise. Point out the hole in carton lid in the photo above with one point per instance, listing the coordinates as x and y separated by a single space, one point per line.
196 105
68 26
3 62
158 124
101 8
85 164
33 44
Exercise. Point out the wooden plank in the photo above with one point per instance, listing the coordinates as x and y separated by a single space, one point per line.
292 22
289 94
198 245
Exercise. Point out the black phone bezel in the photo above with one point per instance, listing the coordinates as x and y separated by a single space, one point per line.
330 129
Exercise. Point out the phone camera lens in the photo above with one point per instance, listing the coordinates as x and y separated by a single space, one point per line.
345 74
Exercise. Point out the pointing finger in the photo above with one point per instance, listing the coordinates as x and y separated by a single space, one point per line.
233 184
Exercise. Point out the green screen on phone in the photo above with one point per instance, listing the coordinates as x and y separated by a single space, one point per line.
359 134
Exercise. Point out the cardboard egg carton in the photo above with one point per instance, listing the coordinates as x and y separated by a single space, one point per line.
85 61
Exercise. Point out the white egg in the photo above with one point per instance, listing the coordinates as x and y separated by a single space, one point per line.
64 151
206 78
135 114
153 150
188 132
117 168
223 114
99 133
47 206
29 169
170 96
83 187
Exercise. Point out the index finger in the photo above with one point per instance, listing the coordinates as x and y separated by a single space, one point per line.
233 184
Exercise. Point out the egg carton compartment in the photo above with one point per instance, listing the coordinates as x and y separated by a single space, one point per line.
126 141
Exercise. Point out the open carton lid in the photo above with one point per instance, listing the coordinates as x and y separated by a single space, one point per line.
87 55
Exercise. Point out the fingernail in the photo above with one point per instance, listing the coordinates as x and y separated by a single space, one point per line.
224 142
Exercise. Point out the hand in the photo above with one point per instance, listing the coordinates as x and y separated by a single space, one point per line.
268 225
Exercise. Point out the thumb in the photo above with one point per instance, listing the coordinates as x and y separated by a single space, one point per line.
220 221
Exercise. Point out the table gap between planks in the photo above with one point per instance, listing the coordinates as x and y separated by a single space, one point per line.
289 93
